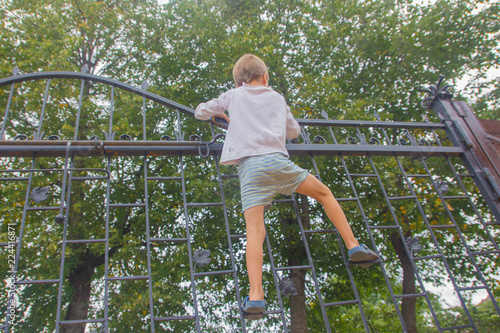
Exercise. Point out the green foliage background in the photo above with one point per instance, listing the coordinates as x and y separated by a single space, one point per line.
346 58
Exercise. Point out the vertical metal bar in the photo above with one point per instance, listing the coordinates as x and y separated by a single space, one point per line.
276 282
190 254
111 112
106 249
44 105
66 175
108 198
311 263
230 243
148 244
21 234
80 101
305 135
179 135
144 118
7 109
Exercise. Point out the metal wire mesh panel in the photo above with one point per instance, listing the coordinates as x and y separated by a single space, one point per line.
112 225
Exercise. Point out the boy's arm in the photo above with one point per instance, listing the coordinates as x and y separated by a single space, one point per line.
212 108
292 126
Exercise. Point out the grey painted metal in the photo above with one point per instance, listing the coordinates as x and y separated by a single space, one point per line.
401 145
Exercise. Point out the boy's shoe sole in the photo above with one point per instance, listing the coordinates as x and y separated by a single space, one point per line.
361 255
253 306
253 316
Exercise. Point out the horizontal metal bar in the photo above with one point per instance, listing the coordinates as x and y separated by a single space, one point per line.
44 208
366 123
456 197
471 288
9 244
346 199
437 256
410 295
174 318
89 178
362 175
81 321
173 240
204 204
342 303
37 281
379 150
485 252
11 148
214 273
282 201
492 223
164 178
10 179
443 226
84 241
289 268
119 278
383 227
456 327
322 231
229 176
239 236
127 205
422 175
403 198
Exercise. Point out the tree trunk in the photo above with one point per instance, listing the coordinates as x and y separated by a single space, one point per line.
408 305
298 302
297 256
80 280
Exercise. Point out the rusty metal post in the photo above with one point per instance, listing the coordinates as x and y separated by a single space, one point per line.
464 130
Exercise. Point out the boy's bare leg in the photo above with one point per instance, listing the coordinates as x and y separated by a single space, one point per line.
256 234
315 189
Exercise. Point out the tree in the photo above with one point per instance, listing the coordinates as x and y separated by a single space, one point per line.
348 59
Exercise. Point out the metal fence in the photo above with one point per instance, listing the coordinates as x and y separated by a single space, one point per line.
147 224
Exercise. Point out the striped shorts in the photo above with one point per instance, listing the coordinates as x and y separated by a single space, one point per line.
261 177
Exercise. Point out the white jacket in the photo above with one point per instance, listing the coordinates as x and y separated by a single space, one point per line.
260 122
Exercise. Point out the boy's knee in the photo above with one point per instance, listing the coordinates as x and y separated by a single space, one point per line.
323 192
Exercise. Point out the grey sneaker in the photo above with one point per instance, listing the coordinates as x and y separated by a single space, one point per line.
362 256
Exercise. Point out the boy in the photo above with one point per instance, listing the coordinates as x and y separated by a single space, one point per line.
255 140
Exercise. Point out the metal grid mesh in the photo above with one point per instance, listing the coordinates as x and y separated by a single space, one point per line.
171 219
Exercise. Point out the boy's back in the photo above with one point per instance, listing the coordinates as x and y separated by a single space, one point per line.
260 122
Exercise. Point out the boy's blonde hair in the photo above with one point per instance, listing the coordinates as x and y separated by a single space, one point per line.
248 68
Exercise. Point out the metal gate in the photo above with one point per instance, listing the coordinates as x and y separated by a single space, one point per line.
116 213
